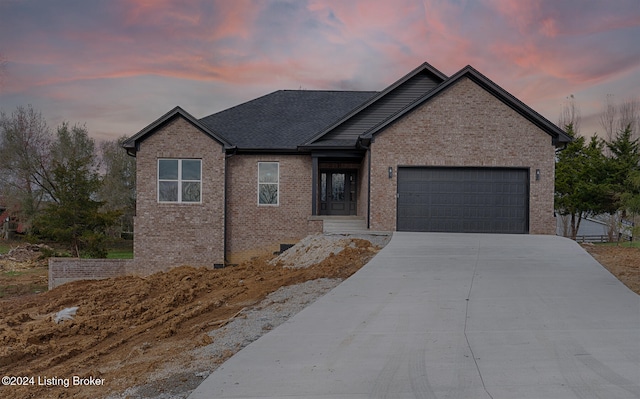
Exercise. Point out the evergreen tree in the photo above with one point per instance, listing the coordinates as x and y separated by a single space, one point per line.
624 160
582 185
623 167
74 215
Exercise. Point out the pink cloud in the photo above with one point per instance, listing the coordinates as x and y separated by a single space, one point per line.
539 49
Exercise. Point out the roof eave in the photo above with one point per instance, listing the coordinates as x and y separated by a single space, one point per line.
422 67
559 137
132 143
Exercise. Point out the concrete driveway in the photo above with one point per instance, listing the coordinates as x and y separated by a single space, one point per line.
453 316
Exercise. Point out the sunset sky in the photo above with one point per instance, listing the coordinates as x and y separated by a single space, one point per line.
117 65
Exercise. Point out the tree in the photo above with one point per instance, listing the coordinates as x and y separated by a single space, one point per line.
623 165
74 217
631 200
625 158
582 187
3 68
571 115
25 160
119 182
617 117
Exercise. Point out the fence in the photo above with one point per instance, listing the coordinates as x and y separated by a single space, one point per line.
599 238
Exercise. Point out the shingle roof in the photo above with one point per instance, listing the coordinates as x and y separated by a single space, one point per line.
132 142
557 134
284 119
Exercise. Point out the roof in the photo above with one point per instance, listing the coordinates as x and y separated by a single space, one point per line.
303 120
131 144
557 134
379 107
284 119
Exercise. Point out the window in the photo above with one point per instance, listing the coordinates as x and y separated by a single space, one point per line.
179 180
268 183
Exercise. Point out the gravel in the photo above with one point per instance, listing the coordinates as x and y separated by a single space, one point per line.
177 381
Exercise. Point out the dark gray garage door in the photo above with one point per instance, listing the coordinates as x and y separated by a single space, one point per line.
467 200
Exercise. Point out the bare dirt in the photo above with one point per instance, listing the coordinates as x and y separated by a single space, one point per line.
161 335
127 330
622 262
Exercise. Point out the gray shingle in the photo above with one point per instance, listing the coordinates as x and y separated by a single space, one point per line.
284 119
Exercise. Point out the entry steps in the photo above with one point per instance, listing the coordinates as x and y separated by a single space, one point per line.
344 224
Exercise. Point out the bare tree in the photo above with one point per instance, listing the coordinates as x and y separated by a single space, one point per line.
118 191
617 117
630 117
24 160
3 68
570 115
608 118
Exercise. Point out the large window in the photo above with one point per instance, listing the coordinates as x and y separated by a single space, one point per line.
268 183
179 180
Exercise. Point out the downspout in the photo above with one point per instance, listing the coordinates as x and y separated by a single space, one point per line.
225 211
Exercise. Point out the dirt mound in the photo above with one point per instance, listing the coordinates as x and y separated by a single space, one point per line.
125 328
315 248
24 257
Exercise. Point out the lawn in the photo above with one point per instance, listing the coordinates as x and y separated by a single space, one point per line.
119 253
118 250
4 248
624 244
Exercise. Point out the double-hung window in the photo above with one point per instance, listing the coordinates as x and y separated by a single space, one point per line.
268 183
180 180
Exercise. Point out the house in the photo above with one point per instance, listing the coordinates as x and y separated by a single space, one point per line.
428 153
9 223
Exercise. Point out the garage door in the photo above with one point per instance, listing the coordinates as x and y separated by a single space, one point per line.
467 200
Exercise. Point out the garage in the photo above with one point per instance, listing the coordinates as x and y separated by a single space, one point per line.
463 199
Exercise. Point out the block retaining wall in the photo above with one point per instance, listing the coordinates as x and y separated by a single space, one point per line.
65 270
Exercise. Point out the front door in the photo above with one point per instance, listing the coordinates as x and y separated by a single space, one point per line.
338 192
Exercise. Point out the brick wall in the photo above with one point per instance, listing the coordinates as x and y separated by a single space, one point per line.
254 229
169 235
65 270
463 126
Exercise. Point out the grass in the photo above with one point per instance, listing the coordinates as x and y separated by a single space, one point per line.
21 282
120 253
627 244
4 247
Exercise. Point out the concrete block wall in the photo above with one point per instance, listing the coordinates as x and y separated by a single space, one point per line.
167 234
254 229
463 126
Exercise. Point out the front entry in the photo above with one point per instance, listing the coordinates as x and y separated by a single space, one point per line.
338 192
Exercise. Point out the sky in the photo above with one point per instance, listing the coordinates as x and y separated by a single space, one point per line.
117 65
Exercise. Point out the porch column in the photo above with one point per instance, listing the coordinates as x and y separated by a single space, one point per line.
314 186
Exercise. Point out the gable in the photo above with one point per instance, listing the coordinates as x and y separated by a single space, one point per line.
396 97
133 143
558 136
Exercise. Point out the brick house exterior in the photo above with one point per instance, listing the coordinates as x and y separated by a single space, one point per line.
271 169
469 127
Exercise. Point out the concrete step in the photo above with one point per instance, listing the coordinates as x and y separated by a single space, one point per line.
344 224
